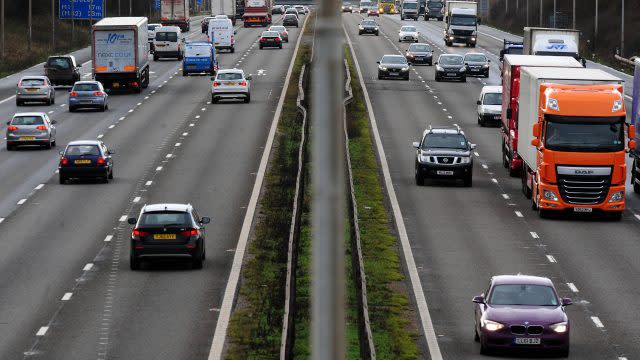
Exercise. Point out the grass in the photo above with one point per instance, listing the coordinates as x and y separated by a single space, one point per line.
256 325
393 332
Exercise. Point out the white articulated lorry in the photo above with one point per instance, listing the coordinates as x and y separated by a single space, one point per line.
462 23
120 53
552 42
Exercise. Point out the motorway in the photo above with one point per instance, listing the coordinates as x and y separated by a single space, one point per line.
460 237
66 291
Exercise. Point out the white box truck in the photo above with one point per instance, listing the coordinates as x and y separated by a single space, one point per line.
461 23
552 42
224 7
175 13
120 53
409 10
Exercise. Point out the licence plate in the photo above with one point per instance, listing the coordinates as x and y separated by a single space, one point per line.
164 236
444 172
497 117
394 73
116 85
27 138
527 341
451 74
419 58
583 209
160 45
230 84
32 90
82 161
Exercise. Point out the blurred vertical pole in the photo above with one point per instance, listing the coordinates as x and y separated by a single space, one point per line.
73 21
90 13
130 8
2 27
53 25
540 21
328 184
30 14
574 15
527 13
595 31
622 31
554 14
119 8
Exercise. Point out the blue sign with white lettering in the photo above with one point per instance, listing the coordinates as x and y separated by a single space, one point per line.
156 4
81 9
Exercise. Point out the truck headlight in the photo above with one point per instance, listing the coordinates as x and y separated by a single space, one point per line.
553 104
616 197
560 327
617 105
550 195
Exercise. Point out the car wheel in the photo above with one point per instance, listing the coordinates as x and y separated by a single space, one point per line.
379 76
155 57
53 99
62 179
407 78
564 353
111 174
103 108
10 147
261 47
377 33
197 263
438 79
484 350
419 177
359 32
134 263
480 122
48 144
464 79
184 73
280 46
476 337
247 99
214 100
72 109
18 103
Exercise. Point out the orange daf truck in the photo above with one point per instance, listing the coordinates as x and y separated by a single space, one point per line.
573 142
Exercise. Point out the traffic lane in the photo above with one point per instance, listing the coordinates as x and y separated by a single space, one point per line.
214 169
492 235
82 211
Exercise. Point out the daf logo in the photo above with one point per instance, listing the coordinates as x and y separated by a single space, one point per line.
583 172
445 160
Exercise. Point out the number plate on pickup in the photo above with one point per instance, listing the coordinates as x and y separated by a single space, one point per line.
583 209
444 172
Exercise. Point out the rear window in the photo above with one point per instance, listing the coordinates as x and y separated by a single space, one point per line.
27 120
198 51
32 82
290 16
59 63
230 76
420 48
167 36
78 150
165 218
86 87
270 34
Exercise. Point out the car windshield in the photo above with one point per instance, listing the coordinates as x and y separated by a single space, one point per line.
584 134
434 5
492 99
523 294
445 141
420 48
167 36
164 218
369 23
463 20
151 27
27 120
408 29
197 50
78 150
32 82
59 63
229 76
514 50
451 60
410 5
270 34
393 59
475 58
86 87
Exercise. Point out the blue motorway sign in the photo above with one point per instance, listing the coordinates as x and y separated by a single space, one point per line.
80 9
156 4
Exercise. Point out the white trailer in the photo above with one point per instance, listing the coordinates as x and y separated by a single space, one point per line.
224 7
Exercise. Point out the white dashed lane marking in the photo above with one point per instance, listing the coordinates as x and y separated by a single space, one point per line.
39 186
518 214
534 234
159 168
108 238
573 287
551 258
87 267
123 218
597 322
136 199
66 296
42 331
148 183
505 196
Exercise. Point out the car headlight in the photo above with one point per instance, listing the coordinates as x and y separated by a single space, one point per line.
616 197
473 39
424 158
491 325
486 66
465 160
463 69
560 327
375 28
406 68
439 68
450 37
383 68
360 27
550 195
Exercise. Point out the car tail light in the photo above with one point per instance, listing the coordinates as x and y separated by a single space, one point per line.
73 94
263 39
139 233
64 161
100 161
20 83
12 128
41 127
134 83
190 232
98 93
243 83
216 84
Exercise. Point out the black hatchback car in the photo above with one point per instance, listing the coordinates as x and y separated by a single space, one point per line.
62 70
393 66
164 231
419 53
270 39
452 67
477 64
368 27
86 159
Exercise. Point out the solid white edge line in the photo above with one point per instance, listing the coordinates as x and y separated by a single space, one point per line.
22 201
42 331
421 301
220 334
1 220
596 320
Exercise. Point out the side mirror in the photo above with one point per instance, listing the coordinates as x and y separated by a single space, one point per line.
8 122
632 132
53 122
235 32
377 62
488 60
436 63
509 113
536 130
205 220
566 302
535 142
466 64
478 102
249 77
409 64
478 299
111 152
416 144
473 146
132 221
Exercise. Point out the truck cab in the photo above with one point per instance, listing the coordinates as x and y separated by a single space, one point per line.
462 23
434 9
409 10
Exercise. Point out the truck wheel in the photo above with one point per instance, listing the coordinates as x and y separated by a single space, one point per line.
636 186
440 19
525 189
615 215
505 161
145 79
233 49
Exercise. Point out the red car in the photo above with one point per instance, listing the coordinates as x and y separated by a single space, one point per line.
520 312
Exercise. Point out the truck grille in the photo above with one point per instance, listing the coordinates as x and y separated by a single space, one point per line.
584 190
462 32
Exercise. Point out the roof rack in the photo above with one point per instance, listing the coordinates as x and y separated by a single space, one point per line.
452 127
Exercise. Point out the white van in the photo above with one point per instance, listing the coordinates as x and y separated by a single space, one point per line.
221 33
490 105
168 42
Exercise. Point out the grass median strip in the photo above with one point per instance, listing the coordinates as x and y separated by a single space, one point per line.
392 321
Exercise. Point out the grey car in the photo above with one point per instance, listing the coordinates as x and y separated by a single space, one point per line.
35 89
368 27
477 64
419 53
31 129
88 94
393 66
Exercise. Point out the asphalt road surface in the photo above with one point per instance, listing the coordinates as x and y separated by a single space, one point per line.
460 237
66 291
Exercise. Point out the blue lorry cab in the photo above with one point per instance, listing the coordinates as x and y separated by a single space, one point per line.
199 57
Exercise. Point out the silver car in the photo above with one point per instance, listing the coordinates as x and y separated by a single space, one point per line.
31 129
35 89
231 84
88 94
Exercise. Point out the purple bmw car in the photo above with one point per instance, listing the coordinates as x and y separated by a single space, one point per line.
521 312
